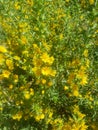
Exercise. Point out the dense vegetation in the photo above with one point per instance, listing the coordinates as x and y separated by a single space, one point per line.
49 64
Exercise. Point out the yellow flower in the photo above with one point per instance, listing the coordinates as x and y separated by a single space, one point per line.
65 87
37 71
27 95
67 0
31 91
46 46
24 39
24 67
1 59
17 6
71 78
37 62
1 108
75 90
43 91
87 62
6 74
76 111
75 62
3 49
30 2
91 2
61 36
80 74
85 53
67 127
37 118
17 58
11 86
75 93
48 71
84 80
17 116
50 114
9 64
42 116
43 81
46 59
50 83
15 78
53 73
58 120
35 46
83 68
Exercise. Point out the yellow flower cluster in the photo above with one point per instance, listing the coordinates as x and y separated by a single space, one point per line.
48 71
40 117
42 63
6 74
17 116
9 64
76 123
91 2
28 94
48 64
46 59
3 49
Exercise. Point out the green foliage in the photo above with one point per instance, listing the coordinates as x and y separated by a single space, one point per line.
48 65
